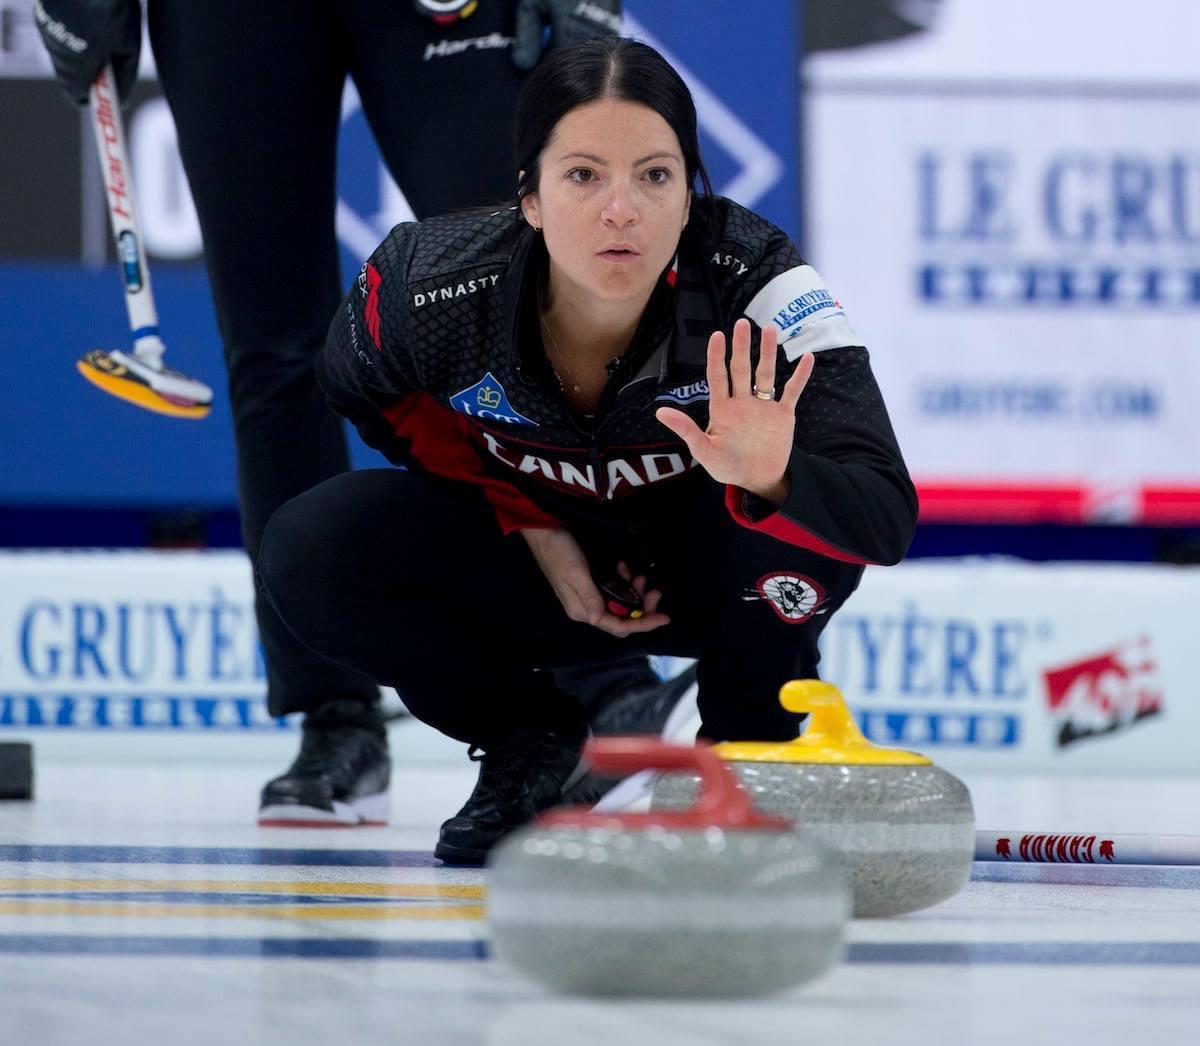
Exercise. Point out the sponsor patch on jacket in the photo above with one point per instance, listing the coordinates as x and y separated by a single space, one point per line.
618 472
681 394
430 293
793 597
487 400
804 311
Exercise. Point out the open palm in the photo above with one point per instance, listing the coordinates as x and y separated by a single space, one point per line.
749 437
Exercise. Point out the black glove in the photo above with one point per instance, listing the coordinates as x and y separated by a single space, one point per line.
570 21
83 36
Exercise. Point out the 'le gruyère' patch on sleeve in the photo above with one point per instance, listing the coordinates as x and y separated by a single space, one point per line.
808 317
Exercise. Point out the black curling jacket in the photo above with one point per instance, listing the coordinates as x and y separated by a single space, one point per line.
436 358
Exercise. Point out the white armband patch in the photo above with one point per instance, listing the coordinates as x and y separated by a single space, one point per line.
808 317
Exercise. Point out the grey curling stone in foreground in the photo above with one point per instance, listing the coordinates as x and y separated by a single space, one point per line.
718 900
905 827
16 770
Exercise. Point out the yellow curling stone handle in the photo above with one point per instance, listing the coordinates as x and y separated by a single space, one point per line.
830 735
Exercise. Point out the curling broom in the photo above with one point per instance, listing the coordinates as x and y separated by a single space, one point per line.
138 377
1086 848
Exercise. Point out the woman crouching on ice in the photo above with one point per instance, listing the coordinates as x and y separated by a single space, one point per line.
632 416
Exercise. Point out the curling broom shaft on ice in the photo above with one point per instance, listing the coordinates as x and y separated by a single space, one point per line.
1086 848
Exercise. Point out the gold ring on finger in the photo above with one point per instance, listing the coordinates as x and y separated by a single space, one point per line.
763 394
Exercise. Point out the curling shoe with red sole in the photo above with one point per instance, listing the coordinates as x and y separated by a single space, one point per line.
341 776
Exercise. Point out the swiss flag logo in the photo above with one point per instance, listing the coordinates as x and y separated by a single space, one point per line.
1109 691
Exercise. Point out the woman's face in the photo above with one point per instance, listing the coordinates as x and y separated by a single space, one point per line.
611 199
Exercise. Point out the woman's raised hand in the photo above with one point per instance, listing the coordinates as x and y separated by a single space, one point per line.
749 437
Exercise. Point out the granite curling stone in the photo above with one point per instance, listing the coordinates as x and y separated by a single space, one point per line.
905 827
717 900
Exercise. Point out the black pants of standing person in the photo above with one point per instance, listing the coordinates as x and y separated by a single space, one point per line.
255 90
406 578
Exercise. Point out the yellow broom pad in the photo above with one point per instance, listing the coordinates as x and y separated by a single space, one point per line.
121 383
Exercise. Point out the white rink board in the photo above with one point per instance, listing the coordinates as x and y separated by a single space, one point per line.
998 664
984 664
129 640
1008 208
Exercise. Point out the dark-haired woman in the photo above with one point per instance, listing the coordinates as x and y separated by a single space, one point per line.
623 377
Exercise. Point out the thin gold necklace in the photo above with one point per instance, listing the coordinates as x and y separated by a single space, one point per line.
557 353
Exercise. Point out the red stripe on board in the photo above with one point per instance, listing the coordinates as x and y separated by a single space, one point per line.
1171 506
1054 503
961 503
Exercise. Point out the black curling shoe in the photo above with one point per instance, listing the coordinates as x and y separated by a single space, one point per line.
641 710
527 773
644 710
340 777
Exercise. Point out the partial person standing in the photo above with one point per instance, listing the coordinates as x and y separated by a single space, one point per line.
255 91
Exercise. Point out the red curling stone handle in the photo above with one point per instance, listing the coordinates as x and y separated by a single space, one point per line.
720 803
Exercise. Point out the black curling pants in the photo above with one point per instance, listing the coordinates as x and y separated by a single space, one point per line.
406 578
255 90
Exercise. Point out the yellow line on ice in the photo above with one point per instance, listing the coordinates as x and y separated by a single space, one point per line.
135 910
435 891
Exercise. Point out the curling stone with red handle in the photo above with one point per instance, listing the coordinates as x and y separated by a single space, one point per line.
905 827
714 900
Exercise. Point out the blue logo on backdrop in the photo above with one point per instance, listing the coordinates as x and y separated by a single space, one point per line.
139 643
1065 229
487 399
137 664
1106 400
127 711
917 678
963 729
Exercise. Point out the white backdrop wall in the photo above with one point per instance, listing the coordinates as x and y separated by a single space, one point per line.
1008 207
